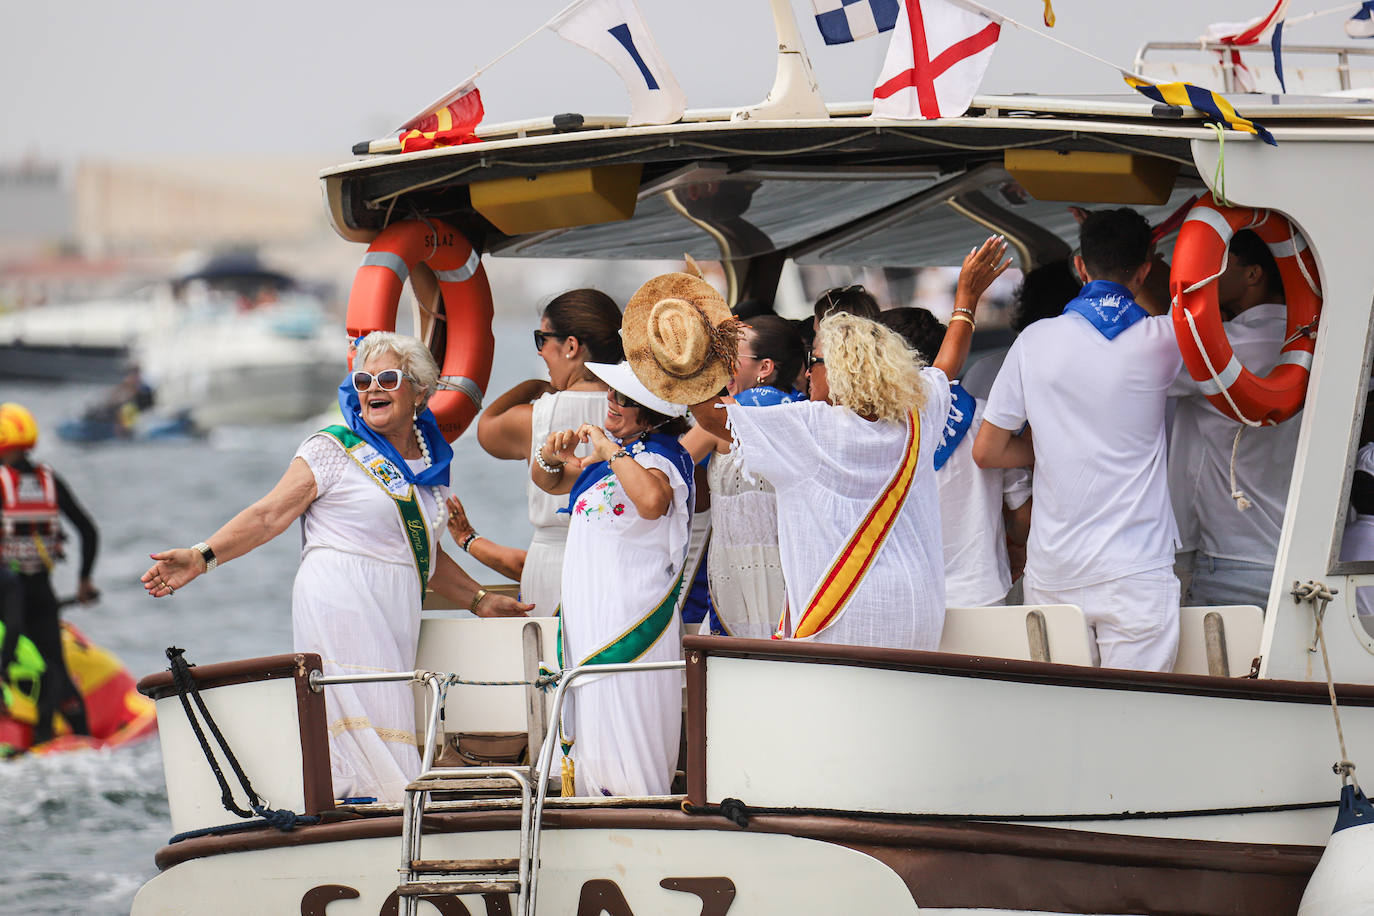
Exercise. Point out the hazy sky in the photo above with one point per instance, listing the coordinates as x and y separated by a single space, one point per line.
146 77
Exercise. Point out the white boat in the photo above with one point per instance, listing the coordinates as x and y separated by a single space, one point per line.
228 341
1002 774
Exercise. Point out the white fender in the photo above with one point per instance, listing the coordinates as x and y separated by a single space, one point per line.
1343 884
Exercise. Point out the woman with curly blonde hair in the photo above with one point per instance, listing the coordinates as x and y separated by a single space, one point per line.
858 506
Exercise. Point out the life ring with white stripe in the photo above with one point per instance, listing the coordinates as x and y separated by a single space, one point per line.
458 333
1199 259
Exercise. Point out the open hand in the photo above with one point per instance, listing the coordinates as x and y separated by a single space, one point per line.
458 525
981 267
172 570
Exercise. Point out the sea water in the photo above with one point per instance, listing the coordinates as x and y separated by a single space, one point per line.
80 829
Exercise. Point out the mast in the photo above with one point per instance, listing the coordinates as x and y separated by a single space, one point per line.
795 93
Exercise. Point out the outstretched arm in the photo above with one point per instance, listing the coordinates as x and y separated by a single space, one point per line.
254 526
450 581
981 267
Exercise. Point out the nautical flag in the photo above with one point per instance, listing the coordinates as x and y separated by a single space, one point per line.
842 21
453 124
1361 25
1213 108
1250 32
938 55
615 31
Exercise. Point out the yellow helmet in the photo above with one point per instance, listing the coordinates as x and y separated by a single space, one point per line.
18 428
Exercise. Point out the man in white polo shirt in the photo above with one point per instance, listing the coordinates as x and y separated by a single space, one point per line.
1235 549
1090 388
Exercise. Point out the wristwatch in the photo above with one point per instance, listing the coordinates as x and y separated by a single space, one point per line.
207 554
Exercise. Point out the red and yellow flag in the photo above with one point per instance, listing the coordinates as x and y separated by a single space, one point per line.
451 125
842 579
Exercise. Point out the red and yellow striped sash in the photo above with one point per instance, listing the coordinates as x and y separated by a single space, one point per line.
849 567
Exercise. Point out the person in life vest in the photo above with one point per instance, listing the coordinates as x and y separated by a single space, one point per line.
32 499
1090 388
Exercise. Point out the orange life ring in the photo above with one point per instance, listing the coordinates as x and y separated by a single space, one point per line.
1199 257
459 336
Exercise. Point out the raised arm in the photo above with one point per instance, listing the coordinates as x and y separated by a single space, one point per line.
508 561
981 267
710 417
559 468
254 526
647 488
503 429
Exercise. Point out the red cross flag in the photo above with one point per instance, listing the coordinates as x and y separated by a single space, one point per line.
939 52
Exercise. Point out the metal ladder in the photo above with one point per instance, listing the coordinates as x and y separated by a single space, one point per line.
420 877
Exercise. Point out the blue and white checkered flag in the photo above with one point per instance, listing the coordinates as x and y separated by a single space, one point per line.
842 21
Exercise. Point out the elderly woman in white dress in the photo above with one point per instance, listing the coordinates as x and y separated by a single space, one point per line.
362 490
630 503
858 507
744 568
578 327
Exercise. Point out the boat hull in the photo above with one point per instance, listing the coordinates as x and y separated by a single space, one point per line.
662 860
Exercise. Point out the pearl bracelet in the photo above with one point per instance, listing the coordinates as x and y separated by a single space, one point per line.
544 465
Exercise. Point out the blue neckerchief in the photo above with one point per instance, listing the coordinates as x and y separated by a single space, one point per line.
767 396
441 455
1108 306
659 444
961 407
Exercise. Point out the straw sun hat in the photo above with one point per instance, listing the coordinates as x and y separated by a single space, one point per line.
680 338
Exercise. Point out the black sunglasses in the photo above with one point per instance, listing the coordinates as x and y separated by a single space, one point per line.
624 401
541 336
812 359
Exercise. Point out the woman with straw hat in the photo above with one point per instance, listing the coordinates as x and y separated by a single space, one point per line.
858 508
630 503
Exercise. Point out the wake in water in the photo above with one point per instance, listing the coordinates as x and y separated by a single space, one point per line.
103 805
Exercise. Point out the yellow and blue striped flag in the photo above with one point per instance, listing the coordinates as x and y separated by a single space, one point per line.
1213 108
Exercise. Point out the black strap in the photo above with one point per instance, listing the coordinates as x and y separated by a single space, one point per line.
186 690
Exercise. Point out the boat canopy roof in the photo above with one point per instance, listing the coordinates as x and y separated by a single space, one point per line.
847 189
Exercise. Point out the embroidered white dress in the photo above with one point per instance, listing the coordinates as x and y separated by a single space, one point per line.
828 465
541 582
356 601
744 566
619 567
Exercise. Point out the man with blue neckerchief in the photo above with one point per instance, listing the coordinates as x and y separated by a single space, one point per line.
1081 398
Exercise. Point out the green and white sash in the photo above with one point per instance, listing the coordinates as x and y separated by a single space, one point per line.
639 638
406 496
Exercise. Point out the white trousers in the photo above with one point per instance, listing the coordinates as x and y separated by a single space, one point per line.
1134 619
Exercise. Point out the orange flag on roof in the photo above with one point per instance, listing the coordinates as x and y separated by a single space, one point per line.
453 124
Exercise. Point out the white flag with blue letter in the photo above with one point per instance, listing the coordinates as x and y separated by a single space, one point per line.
615 31
842 21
